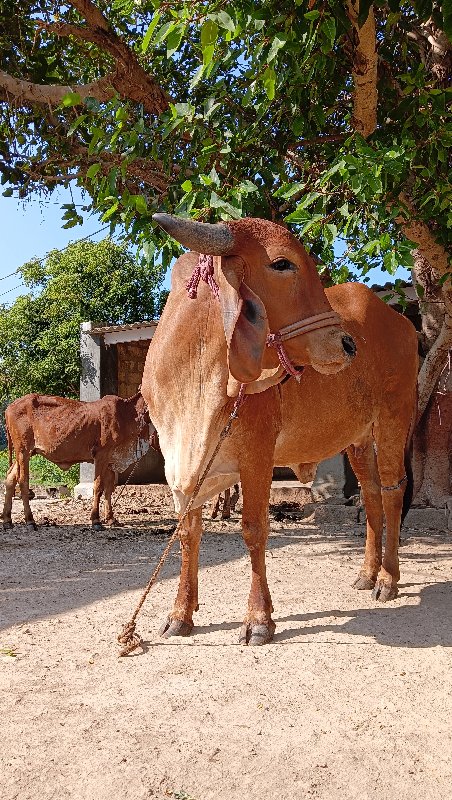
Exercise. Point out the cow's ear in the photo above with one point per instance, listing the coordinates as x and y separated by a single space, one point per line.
244 320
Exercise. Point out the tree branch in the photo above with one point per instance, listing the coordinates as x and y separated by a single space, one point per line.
364 71
419 232
52 94
128 79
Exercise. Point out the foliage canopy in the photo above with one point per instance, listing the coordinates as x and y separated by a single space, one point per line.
218 110
40 331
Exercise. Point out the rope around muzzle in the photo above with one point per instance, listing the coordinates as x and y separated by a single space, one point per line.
128 636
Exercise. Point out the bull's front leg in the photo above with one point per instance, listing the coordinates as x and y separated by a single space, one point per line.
256 472
180 621
258 627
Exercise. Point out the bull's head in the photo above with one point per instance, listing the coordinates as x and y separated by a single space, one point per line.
267 282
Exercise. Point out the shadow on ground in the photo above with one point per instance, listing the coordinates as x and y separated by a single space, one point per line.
55 570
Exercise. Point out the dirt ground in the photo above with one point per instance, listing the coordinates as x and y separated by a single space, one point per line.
352 699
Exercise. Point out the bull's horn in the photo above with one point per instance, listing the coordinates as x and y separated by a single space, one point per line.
202 237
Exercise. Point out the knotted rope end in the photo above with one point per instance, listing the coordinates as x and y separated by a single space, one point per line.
129 639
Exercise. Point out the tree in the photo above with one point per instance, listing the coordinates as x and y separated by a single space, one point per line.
333 116
40 332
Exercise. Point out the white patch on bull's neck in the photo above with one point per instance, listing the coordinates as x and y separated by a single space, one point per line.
129 453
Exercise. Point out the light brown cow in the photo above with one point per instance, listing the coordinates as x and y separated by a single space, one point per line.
203 349
112 433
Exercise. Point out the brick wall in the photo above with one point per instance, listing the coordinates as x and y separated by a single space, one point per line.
131 358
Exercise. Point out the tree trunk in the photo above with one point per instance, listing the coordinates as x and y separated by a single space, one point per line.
433 436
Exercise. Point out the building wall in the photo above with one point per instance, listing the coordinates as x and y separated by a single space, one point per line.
131 357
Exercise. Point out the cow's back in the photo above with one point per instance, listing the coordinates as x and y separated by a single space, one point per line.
323 414
61 429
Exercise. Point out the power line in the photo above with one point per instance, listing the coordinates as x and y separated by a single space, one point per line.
4 277
61 249
12 290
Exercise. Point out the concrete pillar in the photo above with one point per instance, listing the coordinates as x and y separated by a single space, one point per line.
90 389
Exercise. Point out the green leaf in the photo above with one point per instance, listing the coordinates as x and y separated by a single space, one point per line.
287 190
148 35
112 210
447 18
278 42
364 8
313 221
328 31
312 15
269 80
163 32
71 99
75 124
174 40
8 192
247 187
209 33
308 200
121 113
93 170
140 203
225 21
187 186
217 202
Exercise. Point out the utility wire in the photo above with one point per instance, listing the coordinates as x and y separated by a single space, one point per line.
12 290
41 260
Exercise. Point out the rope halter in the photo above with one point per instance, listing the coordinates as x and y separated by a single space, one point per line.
323 320
204 271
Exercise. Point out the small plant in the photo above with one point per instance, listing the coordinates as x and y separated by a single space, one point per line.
8 651
181 795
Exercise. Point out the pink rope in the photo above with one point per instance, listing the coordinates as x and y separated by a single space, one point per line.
203 271
274 340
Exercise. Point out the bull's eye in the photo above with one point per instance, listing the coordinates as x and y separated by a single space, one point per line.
282 265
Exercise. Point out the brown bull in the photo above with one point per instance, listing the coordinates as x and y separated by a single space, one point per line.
203 349
112 433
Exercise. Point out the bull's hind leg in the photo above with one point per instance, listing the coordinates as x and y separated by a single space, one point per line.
23 461
364 465
98 488
10 485
391 441
109 487
180 621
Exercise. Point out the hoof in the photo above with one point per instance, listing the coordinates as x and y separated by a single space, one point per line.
382 592
112 523
7 525
175 627
256 635
32 526
97 526
363 582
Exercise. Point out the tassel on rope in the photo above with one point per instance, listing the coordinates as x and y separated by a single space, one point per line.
203 272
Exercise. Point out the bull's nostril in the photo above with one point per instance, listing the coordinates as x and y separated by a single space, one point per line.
349 345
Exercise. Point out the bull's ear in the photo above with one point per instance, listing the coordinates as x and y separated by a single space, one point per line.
244 320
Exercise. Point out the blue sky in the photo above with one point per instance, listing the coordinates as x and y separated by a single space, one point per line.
30 229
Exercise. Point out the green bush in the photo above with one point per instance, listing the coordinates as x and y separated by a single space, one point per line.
43 472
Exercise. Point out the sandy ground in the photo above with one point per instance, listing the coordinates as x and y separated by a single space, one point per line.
351 700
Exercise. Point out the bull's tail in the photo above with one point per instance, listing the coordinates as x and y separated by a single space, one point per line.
408 496
10 447
409 488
